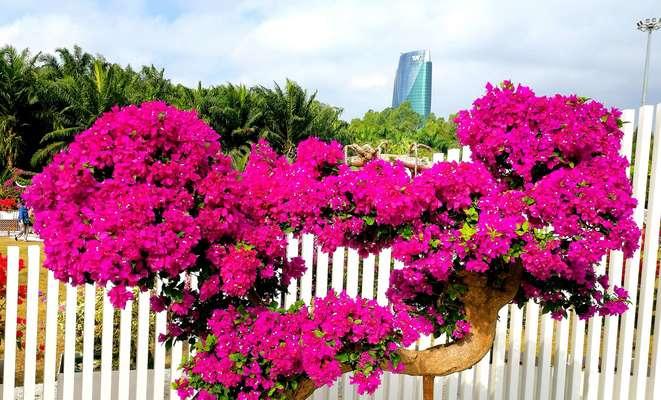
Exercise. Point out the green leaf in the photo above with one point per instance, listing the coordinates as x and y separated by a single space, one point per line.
467 231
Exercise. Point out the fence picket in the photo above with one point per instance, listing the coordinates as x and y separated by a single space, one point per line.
628 325
124 350
368 277
11 313
497 379
383 278
159 351
69 342
292 251
322 274
50 350
560 373
530 352
545 363
88 342
142 347
576 359
175 372
31 317
353 261
648 278
514 355
594 342
107 338
611 324
655 373
307 253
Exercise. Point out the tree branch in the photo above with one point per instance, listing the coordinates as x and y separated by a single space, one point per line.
481 303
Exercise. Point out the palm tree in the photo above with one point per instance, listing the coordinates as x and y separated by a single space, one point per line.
231 110
19 105
81 97
289 115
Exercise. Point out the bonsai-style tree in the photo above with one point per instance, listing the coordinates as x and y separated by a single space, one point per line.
145 194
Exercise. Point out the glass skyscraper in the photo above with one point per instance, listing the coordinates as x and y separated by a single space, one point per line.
413 81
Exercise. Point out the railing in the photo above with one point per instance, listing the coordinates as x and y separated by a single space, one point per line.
533 357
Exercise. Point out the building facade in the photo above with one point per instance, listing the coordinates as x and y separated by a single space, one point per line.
413 81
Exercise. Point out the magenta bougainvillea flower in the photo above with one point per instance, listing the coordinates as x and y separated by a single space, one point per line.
147 194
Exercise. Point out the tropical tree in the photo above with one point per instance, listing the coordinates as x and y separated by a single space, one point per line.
19 104
233 112
79 99
289 115
400 127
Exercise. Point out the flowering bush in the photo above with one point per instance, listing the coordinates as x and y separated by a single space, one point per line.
146 194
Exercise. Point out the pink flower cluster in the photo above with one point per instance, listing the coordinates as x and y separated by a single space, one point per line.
257 350
146 194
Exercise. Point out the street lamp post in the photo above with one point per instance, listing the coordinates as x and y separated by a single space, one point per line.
648 25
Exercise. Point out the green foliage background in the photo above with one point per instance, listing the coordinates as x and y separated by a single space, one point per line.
46 99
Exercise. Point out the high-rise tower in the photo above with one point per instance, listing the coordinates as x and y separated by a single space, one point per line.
413 81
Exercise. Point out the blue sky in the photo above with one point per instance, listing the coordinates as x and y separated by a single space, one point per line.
348 50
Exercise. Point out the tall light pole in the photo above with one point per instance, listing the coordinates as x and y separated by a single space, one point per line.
648 25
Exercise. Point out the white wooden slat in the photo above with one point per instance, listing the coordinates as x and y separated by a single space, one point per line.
69 342
125 316
411 386
625 348
50 350
560 373
655 372
467 383
175 372
368 277
308 256
616 261
576 358
322 273
107 337
546 348
481 390
292 251
31 320
593 344
648 278
609 349
514 355
142 346
383 279
159 351
395 387
437 157
337 283
88 342
11 313
530 352
337 280
497 379
353 261
452 386
465 153
453 155
320 291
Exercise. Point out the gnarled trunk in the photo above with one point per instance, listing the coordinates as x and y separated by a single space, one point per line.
482 303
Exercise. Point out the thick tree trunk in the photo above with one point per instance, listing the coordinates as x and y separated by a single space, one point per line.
482 304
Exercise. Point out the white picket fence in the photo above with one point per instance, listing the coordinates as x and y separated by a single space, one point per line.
533 357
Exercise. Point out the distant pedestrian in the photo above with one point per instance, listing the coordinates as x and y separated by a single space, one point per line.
23 220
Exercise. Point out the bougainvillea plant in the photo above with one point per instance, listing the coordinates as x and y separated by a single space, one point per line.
145 194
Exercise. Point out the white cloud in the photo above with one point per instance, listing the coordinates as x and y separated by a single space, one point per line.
348 50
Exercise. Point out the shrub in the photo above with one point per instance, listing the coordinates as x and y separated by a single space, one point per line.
146 194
